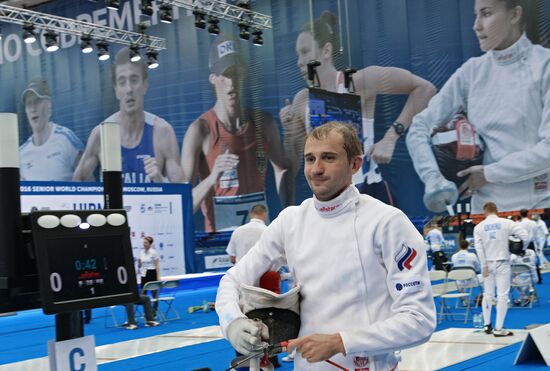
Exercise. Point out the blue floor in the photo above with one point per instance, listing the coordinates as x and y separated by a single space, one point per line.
25 336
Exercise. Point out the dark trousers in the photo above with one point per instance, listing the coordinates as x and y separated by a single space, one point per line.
151 275
146 302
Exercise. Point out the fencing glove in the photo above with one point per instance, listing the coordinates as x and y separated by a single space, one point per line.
246 335
439 193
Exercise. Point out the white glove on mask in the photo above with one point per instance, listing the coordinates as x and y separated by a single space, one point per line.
246 335
439 193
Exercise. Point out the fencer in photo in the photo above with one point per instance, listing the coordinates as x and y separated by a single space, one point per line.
505 95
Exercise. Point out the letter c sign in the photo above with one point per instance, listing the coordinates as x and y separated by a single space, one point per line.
72 359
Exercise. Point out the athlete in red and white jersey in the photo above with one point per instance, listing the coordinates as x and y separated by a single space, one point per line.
228 147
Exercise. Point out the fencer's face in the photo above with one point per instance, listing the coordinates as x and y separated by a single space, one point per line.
496 26
130 87
146 244
306 50
38 111
227 87
327 168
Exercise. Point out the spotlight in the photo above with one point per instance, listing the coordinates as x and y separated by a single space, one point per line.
112 4
244 31
165 13
28 33
134 53
146 7
102 50
244 4
152 61
213 27
86 44
51 41
199 19
257 38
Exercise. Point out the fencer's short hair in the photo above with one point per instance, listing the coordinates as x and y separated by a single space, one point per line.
258 209
123 57
490 207
149 238
524 213
350 140
464 244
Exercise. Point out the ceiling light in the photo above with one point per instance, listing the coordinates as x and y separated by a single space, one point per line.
134 53
28 33
51 41
257 38
102 50
86 44
152 59
200 22
112 4
213 27
244 31
165 13
146 7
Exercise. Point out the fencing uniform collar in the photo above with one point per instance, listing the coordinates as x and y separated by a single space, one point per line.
338 205
256 220
512 54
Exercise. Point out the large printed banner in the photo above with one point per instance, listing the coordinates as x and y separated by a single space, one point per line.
153 210
231 118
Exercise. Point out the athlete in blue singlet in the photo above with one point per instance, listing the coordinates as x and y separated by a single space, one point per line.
150 150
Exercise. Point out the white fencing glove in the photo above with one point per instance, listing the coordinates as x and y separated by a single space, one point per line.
439 193
246 335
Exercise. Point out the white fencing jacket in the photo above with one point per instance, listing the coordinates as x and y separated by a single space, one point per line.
506 94
529 259
491 238
361 266
541 232
436 239
531 227
244 237
463 258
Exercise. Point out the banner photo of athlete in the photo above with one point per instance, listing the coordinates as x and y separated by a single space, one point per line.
231 118
161 211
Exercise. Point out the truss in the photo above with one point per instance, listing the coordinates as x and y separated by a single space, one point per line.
228 12
45 21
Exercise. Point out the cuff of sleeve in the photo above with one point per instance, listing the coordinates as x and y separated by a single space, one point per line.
492 172
347 341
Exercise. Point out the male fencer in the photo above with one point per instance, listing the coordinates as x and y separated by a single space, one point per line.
360 265
491 244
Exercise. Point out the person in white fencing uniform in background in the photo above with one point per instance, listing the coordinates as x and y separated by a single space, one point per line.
244 237
465 259
491 244
435 239
530 227
360 265
541 233
524 281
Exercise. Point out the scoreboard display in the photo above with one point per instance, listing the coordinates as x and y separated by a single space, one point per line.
84 259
